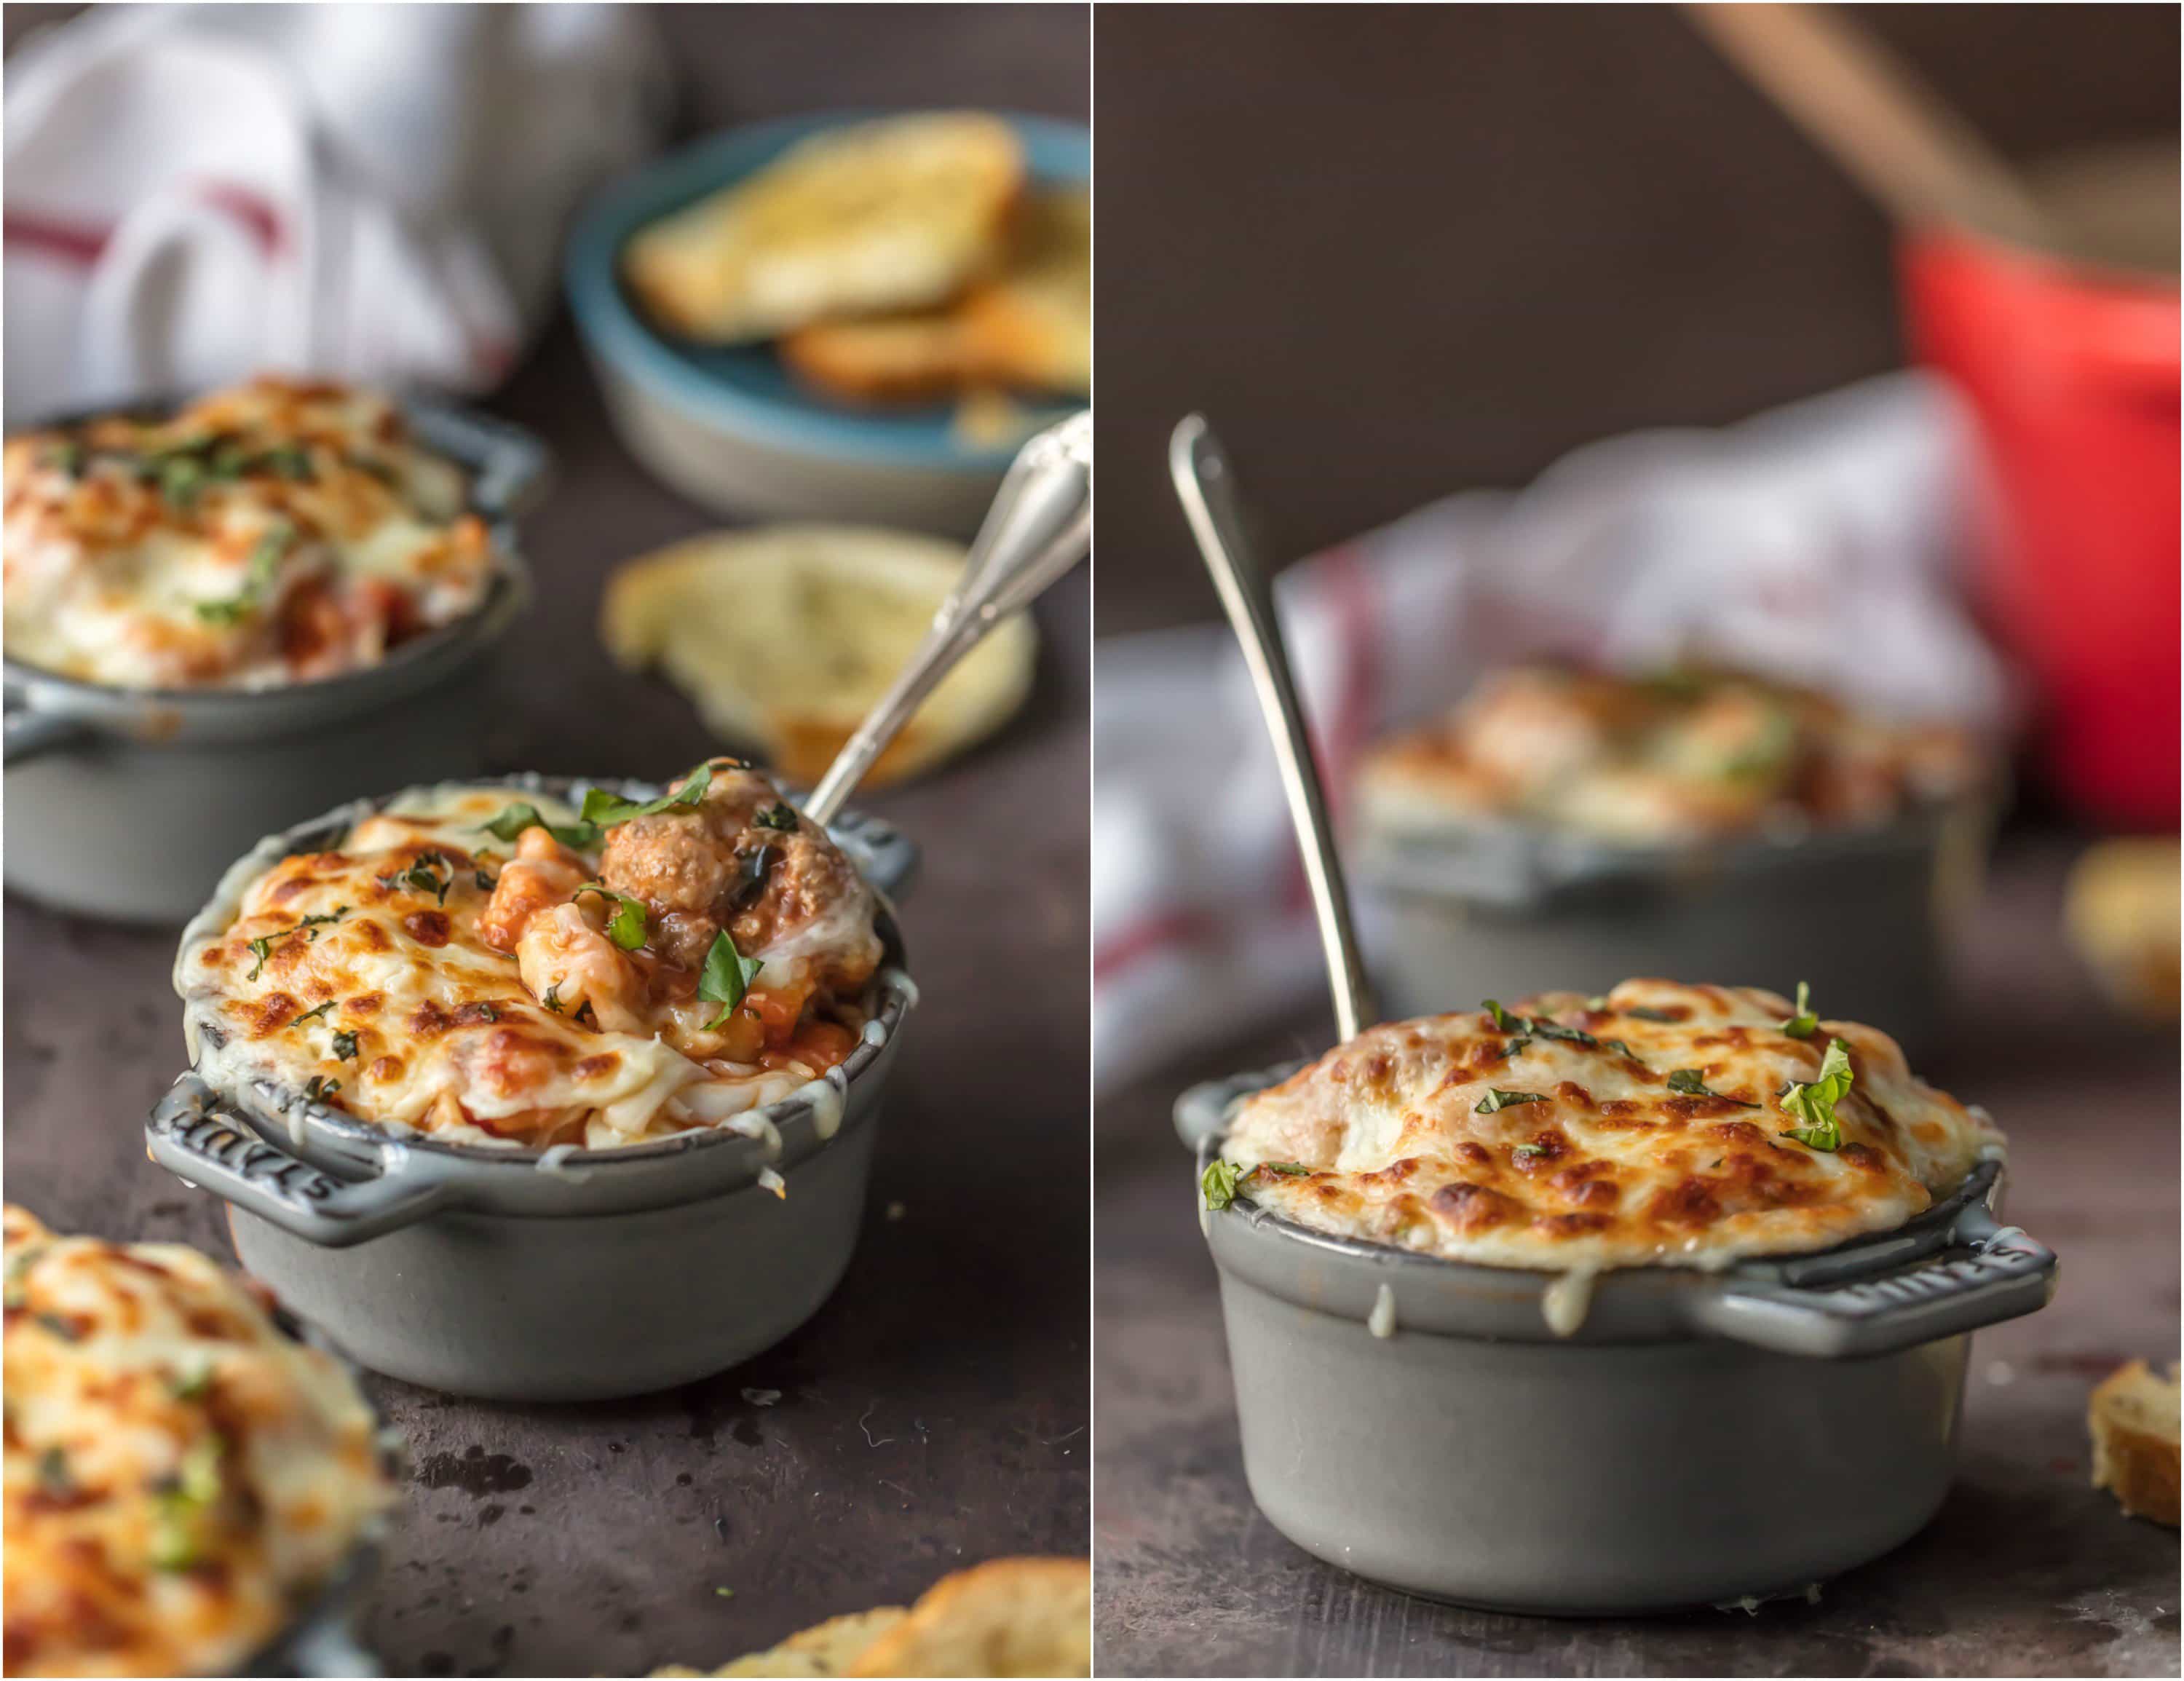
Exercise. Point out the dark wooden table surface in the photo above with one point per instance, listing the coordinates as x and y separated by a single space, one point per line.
2027 1571
933 1414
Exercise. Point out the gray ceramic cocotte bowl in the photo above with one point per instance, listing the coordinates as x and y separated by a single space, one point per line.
475 1271
1454 915
1702 1439
85 761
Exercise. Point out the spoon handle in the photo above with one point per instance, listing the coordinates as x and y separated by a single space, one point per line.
1206 486
1040 526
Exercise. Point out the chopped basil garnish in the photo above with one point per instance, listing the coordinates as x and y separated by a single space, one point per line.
1619 1046
1692 1082
424 876
184 1503
1514 1046
264 565
1644 1014
345 1047
1526 1152
1218 1184
626 927
727 976
264 944
193 1385
53 1478
553 999
513 820
782 816
1288 1170
311 1014
486 883
1537 1027
318 1089
1497 1098
67 457
62 1326
606 809
1814 1102
1804 1023
1597 1001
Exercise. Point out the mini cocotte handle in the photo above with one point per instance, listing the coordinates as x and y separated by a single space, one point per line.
2005 1274
198 1137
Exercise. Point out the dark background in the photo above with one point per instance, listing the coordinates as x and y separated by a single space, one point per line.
935 1411
1398 252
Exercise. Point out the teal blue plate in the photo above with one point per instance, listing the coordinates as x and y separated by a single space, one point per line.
745 389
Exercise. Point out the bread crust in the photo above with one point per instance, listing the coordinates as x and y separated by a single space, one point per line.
2132 1416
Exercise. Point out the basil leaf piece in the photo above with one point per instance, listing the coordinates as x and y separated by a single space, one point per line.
424 876
725 977
262 567
313 1013
1526 1152
1644 1014
1497 1099
1514 1046
513 820
553 999
1692 1082
606 809
319 1088
1554 1030
627 927
1814 1101
1503 1021
1804 1023
1218 1184
1288 1170
781 817
264 944
345 1047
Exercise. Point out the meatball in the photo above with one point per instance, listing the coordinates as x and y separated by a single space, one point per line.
716 865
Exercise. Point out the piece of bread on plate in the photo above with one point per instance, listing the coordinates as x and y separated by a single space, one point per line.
1031 325
899 212
785 636
2132 1416
1028 326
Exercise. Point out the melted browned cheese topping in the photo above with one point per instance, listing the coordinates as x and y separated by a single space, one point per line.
273 533
180 1477
428 975
1675 758
1591 1155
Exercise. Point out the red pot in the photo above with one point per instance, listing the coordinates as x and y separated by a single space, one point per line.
2073 375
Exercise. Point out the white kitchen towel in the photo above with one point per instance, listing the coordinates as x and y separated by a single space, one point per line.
194 194
1818 542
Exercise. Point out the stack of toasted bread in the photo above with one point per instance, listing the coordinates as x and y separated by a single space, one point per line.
905 260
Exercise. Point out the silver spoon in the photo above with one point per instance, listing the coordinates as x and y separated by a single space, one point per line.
1040 526
1206 486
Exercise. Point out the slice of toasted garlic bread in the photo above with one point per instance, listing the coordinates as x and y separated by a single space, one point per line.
1008 1616
829 1649
1031 326
2133 1417
785 636
896 213
918 357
